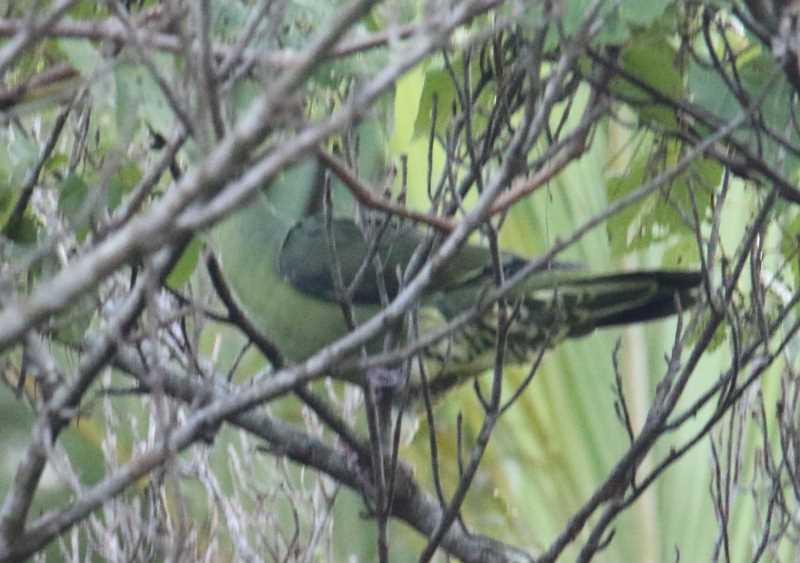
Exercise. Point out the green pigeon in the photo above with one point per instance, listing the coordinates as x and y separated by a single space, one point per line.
284 275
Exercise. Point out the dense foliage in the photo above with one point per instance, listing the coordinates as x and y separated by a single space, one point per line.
151 412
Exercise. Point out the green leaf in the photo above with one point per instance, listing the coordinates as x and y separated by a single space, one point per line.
24 231
71 203
24 152
87 9
227 20
126 102
7 201
20 155
683 254
139 99
372 150
438 88
407 96
762 83
184 268
123 182
439 85
56 162
790 246
620 226
243 93
665 213
650 59
81 54
643 13
693 188
71 325
614 30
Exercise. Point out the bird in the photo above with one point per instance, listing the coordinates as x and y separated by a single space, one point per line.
288 275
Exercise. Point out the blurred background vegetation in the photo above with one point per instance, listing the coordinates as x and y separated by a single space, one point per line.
234 498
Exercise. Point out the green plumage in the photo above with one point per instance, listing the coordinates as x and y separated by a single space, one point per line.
289 289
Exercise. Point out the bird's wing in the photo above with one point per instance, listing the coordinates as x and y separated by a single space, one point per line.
309 261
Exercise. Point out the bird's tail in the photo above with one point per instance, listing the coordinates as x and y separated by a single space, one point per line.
549 307
584 302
